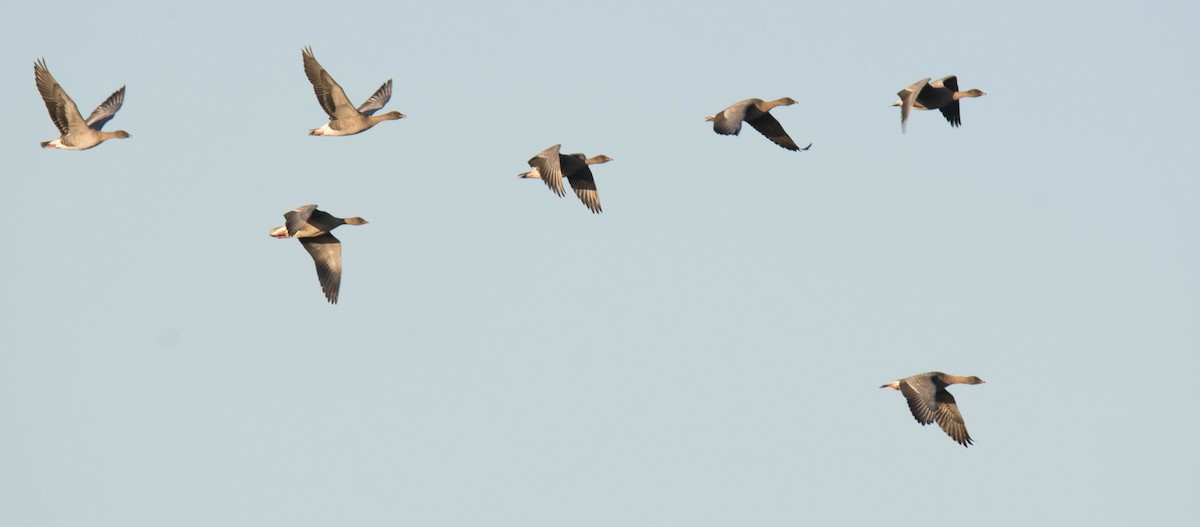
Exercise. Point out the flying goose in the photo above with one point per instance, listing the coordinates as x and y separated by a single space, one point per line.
311 227
344 119
929 401
941 94
551 166
755 112
76 133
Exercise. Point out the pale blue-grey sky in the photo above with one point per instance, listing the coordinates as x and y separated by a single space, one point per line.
706 352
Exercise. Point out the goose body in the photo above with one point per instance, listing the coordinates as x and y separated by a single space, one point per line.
929 401
312 227
344 118
76 133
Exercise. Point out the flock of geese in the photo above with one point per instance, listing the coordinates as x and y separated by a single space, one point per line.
926 392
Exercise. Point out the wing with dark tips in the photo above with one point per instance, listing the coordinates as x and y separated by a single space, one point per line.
326 252
107 109
62 109
950 419
329 94
378 100
920 393
584 186
767 125
950 112
549 166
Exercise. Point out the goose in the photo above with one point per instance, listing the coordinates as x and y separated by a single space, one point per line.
76 133
755 112
929 401
551 166
311 227
344 119
941 94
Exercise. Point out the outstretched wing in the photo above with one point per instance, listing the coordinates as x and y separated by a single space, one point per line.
376 102
62 109
107 109
950 419
326 252
582 182
920 392
333 100
767 125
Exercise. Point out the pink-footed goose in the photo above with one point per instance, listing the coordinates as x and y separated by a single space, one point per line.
551 167
929 401
344 119
311 227
76 133
941 94
755 112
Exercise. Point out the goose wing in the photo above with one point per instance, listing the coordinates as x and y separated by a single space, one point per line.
582 182
908 97
326 252
767 125
949 418
107 109
729 120
295 219
920 392
376 102
549 166
62 109
331 96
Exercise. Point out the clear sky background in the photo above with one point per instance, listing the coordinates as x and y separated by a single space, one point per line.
706 352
